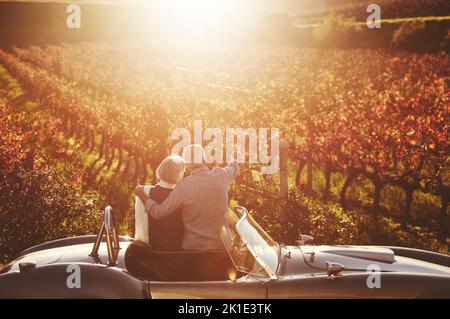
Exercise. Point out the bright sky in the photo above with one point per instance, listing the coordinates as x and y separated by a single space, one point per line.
195 19
258 6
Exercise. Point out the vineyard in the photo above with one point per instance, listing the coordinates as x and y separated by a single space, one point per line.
390 8
368 131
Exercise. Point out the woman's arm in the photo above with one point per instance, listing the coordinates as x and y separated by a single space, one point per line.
139 192
170 204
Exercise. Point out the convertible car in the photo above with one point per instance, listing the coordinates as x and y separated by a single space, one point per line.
252 265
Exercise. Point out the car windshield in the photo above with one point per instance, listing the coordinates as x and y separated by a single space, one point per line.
251 248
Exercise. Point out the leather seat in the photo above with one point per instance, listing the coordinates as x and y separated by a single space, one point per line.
148 264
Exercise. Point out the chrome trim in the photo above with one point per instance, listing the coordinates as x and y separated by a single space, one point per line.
334 269
108 228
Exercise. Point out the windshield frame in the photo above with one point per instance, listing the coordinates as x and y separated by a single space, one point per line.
245 216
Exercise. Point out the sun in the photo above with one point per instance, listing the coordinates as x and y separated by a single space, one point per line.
196 18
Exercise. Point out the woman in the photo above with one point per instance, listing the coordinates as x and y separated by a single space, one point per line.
163 234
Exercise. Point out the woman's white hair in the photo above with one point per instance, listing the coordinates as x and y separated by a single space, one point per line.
171 169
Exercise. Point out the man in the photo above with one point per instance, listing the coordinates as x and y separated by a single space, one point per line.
203 199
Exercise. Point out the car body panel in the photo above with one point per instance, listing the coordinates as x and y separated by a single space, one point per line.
298 277
244 288
77 253
51 281
353 285
312 259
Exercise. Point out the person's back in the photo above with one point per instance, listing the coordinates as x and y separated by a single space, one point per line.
205 207
165 234
203 198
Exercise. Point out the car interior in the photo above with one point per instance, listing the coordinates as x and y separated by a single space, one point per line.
146 263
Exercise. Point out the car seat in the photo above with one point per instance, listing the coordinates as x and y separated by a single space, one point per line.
148 264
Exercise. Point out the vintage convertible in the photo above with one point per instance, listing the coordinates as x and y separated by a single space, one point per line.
252 265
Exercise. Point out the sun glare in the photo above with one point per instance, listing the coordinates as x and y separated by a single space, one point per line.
196 18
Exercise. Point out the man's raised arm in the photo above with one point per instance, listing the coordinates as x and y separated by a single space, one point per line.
232 170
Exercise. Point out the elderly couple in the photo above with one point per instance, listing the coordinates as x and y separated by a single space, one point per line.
185 213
